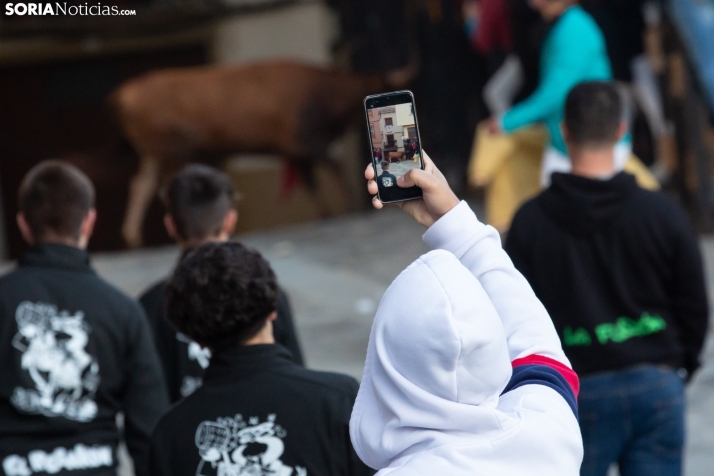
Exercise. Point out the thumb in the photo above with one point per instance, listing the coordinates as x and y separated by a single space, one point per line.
417 177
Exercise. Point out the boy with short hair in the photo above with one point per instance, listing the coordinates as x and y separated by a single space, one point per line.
76 351
200 209
258 412
385 178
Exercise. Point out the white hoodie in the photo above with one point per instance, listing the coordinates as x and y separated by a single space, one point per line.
440 356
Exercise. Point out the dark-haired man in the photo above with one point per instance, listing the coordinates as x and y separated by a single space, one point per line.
258 412
199 209
619 270
75 350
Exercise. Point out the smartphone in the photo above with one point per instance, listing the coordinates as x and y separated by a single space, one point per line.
393 132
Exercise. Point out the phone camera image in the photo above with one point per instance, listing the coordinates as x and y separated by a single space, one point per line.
395 142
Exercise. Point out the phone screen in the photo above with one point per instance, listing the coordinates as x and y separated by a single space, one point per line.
395 143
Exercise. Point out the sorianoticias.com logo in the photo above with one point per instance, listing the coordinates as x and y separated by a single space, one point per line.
62 8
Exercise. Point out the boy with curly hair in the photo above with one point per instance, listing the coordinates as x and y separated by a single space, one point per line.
258 412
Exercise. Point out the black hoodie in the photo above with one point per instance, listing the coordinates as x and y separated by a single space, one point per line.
260 413
619 270
75 351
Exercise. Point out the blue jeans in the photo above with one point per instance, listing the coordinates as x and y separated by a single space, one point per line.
635 418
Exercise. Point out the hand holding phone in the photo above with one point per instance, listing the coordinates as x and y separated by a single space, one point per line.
438 198
395 143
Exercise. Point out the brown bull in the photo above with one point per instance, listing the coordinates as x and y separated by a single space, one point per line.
172 116
398 156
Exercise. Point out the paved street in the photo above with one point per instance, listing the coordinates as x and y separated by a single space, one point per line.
336 272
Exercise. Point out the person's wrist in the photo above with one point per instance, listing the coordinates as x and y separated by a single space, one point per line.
449 204
436 211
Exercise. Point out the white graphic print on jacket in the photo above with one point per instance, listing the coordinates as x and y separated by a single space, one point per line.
53 345
234 447
202 356
79 458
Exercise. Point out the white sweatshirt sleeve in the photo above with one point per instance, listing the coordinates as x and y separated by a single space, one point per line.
529 329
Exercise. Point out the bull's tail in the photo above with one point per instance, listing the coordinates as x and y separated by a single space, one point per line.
305 172
292 176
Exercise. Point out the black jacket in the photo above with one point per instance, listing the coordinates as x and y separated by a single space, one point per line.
260 413
387 180
75 351
619 270
183 360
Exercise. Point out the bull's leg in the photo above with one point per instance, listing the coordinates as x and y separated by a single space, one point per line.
338 172
308 175
142 188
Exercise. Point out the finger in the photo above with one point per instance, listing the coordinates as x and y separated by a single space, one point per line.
428 163
418 177
430 167
372 187
369 172
377 203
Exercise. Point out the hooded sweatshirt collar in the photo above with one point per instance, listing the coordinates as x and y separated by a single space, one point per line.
582 205
245 360
54 255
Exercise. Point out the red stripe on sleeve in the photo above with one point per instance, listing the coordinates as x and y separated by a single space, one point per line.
568 374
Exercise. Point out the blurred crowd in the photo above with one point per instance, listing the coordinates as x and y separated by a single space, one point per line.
499 54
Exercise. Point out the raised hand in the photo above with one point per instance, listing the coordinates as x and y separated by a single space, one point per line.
438 196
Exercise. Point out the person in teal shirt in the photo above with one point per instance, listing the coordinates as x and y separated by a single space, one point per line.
574 51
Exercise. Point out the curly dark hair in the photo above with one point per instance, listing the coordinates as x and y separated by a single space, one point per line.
221 294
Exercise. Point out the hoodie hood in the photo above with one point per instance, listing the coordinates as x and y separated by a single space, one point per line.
436 364
581 205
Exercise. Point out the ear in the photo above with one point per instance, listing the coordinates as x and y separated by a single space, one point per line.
272 316
25 229
230 221
622 130
170 226
87 228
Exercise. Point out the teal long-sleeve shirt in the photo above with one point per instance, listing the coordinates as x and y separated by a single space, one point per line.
573 52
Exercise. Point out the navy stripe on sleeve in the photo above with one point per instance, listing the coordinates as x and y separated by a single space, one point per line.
536 374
